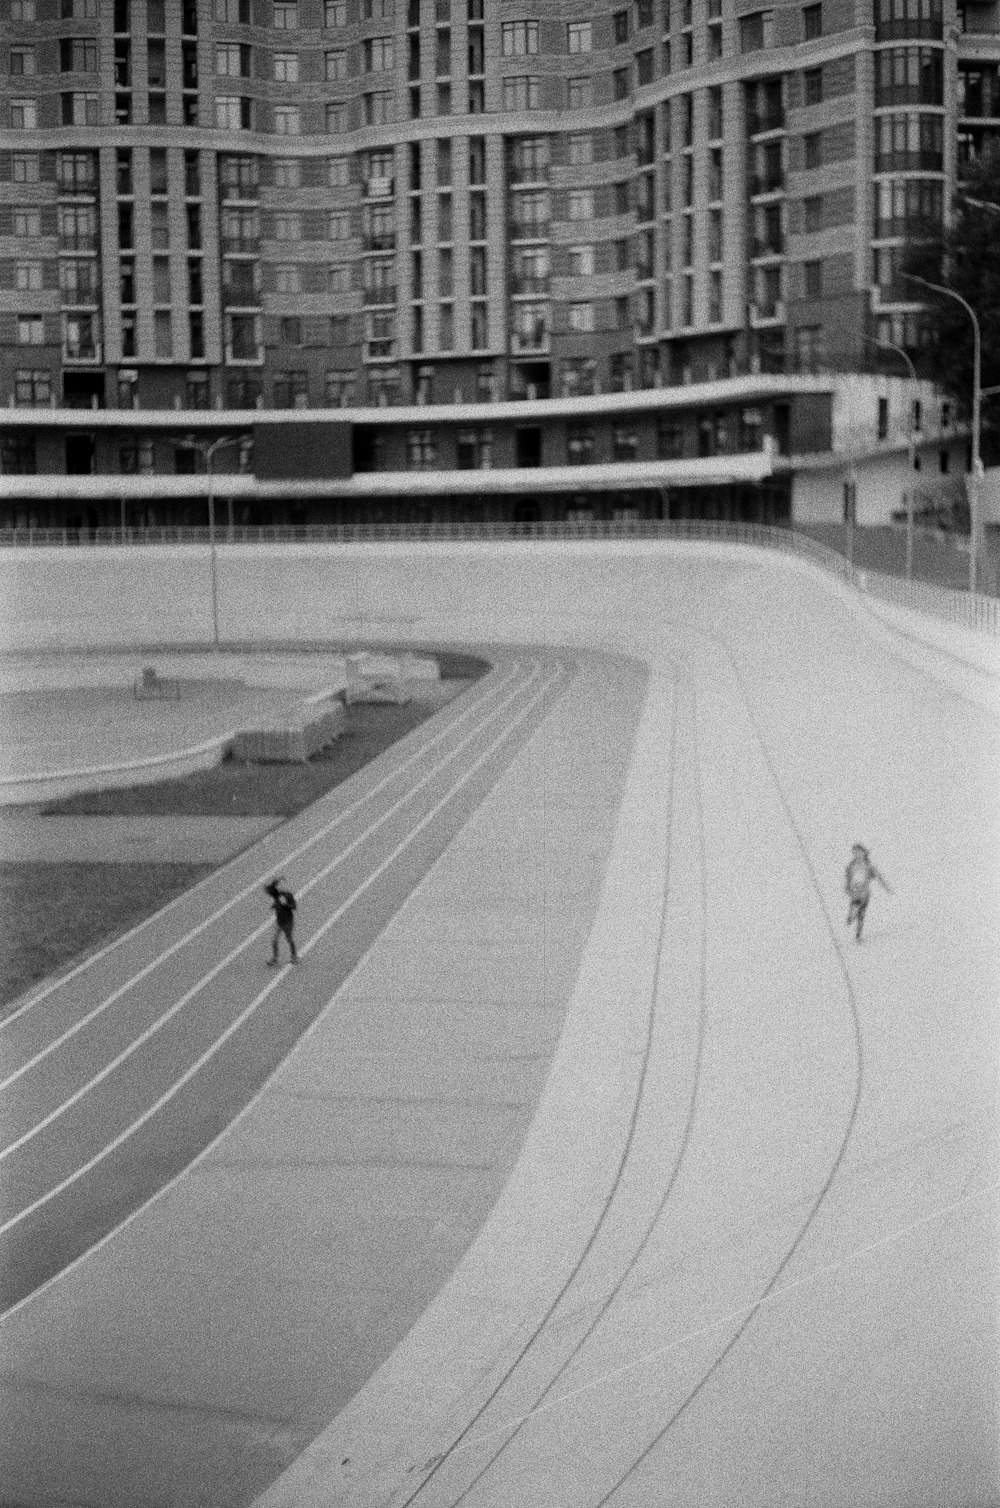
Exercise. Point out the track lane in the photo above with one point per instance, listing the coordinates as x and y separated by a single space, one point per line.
206 1063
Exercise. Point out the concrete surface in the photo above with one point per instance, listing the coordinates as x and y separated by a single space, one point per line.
747 1252
27 838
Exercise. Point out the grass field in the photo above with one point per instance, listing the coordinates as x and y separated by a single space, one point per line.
53 913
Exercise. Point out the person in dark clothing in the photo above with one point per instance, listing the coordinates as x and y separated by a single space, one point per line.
283 906
858 879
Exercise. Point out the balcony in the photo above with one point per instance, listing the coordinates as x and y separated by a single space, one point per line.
926 160
929 29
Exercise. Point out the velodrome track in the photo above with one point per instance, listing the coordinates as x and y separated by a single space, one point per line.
748 1250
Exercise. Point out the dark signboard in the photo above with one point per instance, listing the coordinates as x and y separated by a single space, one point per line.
285 451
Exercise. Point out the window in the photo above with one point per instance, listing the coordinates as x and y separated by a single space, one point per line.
232 112
80 337
474 450
421 449
77 10
288 227
32 387
290 330
644 66
812 145
28 276
580 204
579 374
24 168
159 225
337 226
580 36
81 109
580 444
287 278
336 118
286 67
336 64
378 54
30 330
623 196
338 172
378 109
286 15
287 120
812 276
812 86
238 177
287 172
809 350
243 337
529 327
291 389
757 31
620 83
22 10
18 455
335 13
812 22
78 55
624 444
377 10
338 278
580 316
157 171
580 261
580 92
518 38
22 62
233 12
620 24
338 387
520 93
23 114
813 212
479 333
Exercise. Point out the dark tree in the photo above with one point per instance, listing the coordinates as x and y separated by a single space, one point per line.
964 256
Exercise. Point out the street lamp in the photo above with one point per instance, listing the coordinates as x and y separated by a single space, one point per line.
975 523
888 345
208 449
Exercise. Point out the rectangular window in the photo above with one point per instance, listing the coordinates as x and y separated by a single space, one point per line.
812 275
30 330
757 31
518 38
288 227
379 109
338 388
32 387
580 92
581 316
378 54
22 62
812 22
619 23
421 449
580 444
621 83
232 112
335 13
335 62
78 55
22 10
520 93
812 145
286 15
287 120
337 226
336 118
233 12
287 278
812 86
580 36
813 212
287 172
581 148
338 278
24 168
644 66
580 204
28 277
286 67
580 261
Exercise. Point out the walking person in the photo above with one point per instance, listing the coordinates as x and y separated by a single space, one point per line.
283 906
858 879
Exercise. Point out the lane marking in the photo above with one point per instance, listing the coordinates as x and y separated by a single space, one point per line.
273 983
181 942
487 691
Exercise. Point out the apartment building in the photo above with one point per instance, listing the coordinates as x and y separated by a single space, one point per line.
358 204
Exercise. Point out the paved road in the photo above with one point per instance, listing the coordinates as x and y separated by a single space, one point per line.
117 1077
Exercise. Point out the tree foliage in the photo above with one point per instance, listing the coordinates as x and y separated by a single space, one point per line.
965 257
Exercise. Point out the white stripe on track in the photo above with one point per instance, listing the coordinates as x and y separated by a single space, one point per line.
244 1015
245 943
296 853
92 958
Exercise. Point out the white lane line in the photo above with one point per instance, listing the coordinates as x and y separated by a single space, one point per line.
245 942
486 693
241 895
244 1015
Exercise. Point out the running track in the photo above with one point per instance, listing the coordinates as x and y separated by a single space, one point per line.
116 1077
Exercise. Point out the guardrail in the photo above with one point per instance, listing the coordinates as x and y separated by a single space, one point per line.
971 611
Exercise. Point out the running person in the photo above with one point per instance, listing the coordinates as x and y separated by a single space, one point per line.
858 883
283 906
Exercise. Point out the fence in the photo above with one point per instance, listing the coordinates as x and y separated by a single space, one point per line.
961 607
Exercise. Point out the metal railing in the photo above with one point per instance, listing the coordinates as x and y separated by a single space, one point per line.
975 611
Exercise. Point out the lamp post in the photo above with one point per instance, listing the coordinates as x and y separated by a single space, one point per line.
975 502
208 449
888 345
